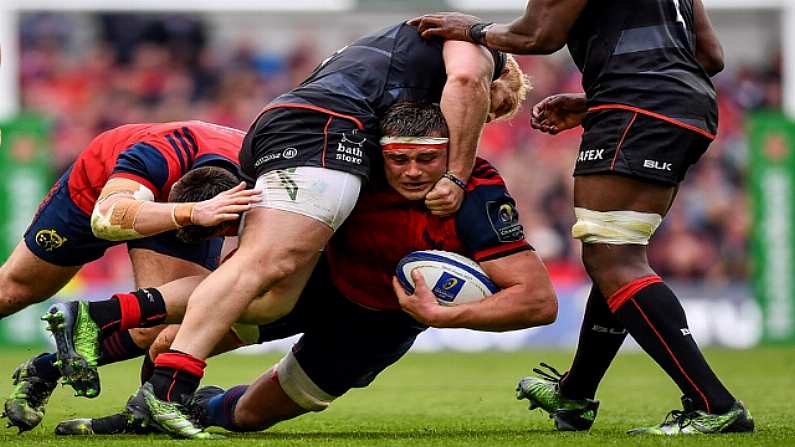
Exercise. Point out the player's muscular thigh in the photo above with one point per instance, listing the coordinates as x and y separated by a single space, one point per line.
613 266
621 193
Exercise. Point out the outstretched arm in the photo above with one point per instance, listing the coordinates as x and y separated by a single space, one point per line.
543 29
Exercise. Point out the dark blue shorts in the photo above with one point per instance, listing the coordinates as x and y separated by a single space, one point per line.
344 345
61 234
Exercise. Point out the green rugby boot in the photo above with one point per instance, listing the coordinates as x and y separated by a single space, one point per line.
77 338
24 408
693 422
119 423
544 392
168 417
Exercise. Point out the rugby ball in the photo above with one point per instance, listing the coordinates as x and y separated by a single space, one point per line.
453 278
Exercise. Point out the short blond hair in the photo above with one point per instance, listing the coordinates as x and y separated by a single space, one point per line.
519 85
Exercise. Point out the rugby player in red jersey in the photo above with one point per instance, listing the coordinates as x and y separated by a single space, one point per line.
115 192
350 313
649 112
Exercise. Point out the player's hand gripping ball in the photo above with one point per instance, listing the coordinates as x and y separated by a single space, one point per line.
453 278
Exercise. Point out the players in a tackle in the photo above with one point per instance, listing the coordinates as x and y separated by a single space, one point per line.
118 190
467 73
310 151
350 313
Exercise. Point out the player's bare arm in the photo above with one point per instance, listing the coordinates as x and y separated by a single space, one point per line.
543 29
526 298
465 106
126 210
709 52
560 112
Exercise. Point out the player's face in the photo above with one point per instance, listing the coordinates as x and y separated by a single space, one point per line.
413 172
501 99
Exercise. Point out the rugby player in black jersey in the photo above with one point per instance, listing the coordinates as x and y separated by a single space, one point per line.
649 112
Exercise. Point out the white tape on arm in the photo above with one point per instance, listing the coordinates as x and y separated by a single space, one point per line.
117 222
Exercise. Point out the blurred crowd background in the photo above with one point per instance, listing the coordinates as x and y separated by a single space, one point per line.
159 68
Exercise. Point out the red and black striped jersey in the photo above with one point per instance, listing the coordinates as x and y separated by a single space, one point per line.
642 54
384 227
154 155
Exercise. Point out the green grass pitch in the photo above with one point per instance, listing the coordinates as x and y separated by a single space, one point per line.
458 399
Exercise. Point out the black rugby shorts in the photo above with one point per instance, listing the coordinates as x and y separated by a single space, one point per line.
291 136
639 146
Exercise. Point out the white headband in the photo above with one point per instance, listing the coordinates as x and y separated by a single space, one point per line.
392 143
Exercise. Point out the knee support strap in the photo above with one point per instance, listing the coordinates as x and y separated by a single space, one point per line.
614 227
299 387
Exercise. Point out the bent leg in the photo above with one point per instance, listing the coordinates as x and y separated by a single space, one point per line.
275 246
26 279
251 415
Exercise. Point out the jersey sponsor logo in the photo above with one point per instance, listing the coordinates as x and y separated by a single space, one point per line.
658 165
49 239
504 221
350 148
591 155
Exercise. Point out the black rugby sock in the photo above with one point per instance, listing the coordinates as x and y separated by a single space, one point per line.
654 317
118 346
141 308
601 335
176 376
147 368
110 425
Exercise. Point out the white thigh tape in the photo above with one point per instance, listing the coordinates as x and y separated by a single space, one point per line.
299 387
325 195
614 227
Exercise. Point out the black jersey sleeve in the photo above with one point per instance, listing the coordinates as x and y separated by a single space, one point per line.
488 223
500 59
